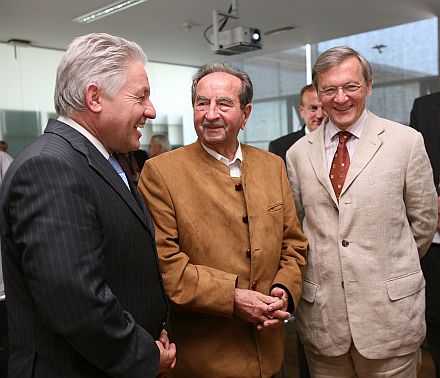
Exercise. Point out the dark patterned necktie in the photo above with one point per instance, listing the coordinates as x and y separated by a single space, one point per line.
340 163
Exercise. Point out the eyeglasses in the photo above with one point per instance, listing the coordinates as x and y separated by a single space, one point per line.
347 89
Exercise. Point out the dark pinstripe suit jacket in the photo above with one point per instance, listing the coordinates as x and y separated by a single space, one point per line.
84 292
282 144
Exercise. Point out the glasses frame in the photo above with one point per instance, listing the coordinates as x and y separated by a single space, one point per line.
348 89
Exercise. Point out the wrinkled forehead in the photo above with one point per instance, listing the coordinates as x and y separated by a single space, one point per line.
218 84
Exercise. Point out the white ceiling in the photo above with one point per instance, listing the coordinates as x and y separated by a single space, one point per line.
157 24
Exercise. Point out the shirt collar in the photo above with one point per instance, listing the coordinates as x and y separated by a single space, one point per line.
238 157
95 141
355 129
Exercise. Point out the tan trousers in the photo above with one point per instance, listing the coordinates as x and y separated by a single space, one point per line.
353 365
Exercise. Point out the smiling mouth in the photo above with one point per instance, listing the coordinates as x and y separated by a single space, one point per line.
343 109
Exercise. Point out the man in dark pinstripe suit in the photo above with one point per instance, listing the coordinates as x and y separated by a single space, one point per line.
84 292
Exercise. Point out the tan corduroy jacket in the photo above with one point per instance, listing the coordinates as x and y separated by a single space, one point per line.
215 233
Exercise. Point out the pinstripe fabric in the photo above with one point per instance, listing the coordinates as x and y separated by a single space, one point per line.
85 296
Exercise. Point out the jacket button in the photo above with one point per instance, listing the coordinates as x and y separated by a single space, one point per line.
238 187
254 284
345 243
248 253
245 219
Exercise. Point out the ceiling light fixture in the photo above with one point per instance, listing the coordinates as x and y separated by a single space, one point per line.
19 42
106 11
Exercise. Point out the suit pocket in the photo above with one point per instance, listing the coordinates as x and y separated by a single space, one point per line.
275 207
405 286
309 291
384 177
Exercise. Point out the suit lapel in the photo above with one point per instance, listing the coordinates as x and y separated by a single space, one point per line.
366 148
316 154
98 163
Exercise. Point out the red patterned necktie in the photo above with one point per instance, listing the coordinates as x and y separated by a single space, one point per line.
340 163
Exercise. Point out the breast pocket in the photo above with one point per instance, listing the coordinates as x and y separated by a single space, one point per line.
385 177
277 206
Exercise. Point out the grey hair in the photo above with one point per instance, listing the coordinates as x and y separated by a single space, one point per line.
336 55
93 58
247 89
162 140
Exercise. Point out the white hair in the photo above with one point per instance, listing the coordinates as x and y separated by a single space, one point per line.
93 58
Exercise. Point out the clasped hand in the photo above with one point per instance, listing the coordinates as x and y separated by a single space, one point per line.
262 310
167 354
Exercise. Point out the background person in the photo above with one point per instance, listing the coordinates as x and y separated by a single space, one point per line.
159 143
311 112
230 246
424 118
3 146
364 191
85 295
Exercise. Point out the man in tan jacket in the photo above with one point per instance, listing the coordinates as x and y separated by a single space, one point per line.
364 192
231 250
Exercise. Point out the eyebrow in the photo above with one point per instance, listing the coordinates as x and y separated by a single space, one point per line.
220 99
202 98
224 98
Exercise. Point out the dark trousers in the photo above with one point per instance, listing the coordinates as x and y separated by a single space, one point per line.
302 360
431 270
3 341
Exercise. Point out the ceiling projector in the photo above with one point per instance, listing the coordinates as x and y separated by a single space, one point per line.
236 41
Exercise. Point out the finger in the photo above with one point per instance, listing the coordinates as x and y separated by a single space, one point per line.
173 364
278 305
160 346
267 299
280 314
163 335
279 292
272 323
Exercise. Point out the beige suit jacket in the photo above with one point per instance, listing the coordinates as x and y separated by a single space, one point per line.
207 248
363 281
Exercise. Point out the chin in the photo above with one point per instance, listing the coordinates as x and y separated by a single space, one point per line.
344 122
136 145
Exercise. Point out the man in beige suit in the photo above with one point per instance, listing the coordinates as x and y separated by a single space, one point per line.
231 249
362 307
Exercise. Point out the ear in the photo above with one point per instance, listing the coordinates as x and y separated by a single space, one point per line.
369 87
93 98
301 111
247 112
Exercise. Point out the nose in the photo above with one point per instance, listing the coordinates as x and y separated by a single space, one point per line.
150 111
341 96
319 113
212 113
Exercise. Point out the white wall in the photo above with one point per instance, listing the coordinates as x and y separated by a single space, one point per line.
27 82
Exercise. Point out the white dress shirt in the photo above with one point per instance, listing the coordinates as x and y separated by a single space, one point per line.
233 165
